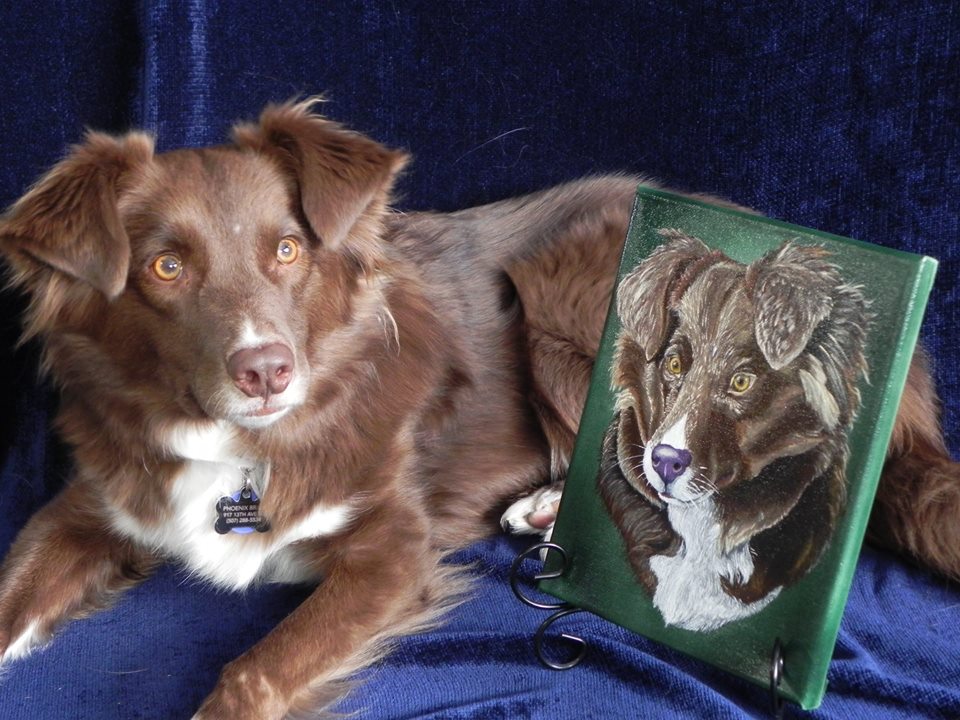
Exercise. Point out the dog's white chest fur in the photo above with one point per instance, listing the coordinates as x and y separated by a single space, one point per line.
689 592
230 560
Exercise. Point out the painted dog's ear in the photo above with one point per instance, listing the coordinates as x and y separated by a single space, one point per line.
646 295
69 220
792 291
344 179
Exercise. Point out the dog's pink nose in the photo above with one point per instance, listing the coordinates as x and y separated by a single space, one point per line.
670 463
262 371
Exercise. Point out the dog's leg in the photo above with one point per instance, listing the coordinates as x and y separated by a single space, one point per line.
381 581
917 511
64 564
564 286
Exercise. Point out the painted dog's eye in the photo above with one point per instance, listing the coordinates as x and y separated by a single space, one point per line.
741 382
674 365
168 267
288 251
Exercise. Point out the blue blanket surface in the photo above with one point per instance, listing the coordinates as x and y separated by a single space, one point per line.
838 116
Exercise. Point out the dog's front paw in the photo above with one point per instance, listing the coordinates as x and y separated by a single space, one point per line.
242 693
534 514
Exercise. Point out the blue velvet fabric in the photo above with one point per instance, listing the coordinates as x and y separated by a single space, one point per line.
840 116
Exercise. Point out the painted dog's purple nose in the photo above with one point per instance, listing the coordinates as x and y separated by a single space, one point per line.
670 463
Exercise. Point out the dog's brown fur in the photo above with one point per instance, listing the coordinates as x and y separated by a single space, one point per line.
446 359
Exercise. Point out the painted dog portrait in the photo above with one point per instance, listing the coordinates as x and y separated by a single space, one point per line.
736 387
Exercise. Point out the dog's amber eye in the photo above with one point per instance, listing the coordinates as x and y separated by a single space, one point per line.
288 251
674 365
741 382
168 267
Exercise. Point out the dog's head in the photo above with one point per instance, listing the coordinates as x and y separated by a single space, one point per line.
726 370
200 279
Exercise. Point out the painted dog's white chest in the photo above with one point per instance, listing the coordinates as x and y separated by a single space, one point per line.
229 560
689 592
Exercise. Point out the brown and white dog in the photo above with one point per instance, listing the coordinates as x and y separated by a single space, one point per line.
247 331
724 466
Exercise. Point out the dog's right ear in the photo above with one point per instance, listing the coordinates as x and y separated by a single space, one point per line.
344 178
69 220
646 294
792 291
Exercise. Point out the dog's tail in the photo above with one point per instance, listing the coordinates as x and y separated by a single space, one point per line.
512 230
917 511
520 228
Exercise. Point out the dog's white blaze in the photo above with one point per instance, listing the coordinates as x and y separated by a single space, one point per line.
689 592
676 434
230 560
25 643
817 393
250 338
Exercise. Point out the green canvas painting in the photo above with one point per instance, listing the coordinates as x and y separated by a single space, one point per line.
738 417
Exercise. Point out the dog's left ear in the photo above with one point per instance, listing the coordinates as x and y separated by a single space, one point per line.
792 291
344 178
